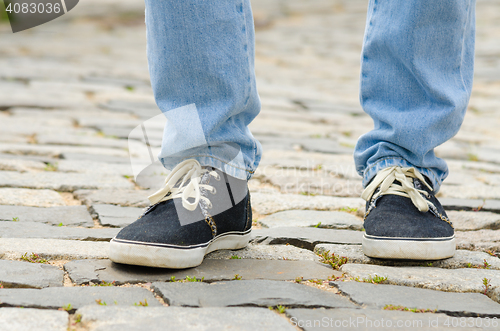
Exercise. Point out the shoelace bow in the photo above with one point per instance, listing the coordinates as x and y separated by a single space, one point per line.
191 172
386 179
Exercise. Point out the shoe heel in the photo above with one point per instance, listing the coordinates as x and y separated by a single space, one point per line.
230 241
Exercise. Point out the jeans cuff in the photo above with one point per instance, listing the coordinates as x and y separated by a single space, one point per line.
372 171
232 169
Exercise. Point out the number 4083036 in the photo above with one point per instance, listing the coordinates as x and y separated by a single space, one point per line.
33 8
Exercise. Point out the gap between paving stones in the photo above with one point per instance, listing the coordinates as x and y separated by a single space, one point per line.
306 238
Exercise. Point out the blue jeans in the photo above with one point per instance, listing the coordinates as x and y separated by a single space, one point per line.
201 63
416 80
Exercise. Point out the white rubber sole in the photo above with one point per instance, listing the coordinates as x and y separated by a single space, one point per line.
170 256
403 248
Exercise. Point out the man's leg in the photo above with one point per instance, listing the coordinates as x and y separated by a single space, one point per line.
416 80
201 53
201 61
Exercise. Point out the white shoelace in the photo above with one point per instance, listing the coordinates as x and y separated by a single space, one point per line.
386 180
191 172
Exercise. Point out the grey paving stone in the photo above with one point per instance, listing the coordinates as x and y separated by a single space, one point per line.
126 198
481 239
58 151
27 197
265 204
21 165
470 191
120 169
474 165
290 163
122 133
306 237
266 252
140 108
66 182
35 158
470 204
319 145
313 218
303 182
85 271
380 295
80 140
96 318
26 274
67 215
25 319
97 122
79 296
369 319
254 293
72 156
10 229
53 249
472 220
461 259
116 216
449 280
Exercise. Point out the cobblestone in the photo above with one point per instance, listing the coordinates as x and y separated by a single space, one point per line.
25 274
116 216
176 318
461 259
9 229
65 182
66 215
309 218
125 198
22 319
255 293
77 297
456 280
380 295
30 198
85 271
54 249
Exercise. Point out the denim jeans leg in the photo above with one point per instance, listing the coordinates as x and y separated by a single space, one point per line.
416 80
201 63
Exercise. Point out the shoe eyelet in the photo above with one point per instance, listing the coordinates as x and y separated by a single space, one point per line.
217 178
214 191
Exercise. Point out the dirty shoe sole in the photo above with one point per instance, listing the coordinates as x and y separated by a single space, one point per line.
408 248
173 256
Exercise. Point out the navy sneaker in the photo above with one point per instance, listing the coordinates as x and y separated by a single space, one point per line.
404 220
199 210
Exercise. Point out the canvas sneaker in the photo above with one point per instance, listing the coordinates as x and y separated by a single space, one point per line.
403 218
199 210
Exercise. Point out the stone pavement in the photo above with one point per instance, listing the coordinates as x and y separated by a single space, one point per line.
71 92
